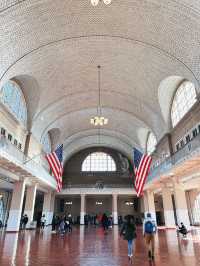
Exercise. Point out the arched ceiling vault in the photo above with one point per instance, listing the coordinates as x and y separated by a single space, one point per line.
54 47
92 141
120 122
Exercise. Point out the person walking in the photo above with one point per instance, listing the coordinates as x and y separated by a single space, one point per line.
24 222
149 231
105 222
129 232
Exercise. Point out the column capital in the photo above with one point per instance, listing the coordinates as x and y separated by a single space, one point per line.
177 183
149 191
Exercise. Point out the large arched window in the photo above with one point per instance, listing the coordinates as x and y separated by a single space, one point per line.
11 96
46 143
98 162
151 143
183 100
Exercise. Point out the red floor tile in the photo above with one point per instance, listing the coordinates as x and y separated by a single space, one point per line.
90 247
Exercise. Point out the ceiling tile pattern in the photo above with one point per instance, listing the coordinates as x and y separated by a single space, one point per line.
52 48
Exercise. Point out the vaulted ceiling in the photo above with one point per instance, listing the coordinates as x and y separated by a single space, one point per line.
145 48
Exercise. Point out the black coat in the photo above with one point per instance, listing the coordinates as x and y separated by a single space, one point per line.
129 231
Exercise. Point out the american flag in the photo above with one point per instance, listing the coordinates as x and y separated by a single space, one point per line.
142 164
55 162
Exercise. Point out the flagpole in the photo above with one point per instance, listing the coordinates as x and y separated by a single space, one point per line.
32 158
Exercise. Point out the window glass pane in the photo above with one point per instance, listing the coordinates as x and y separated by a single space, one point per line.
13 99
183 100
46 143
98 162
151 143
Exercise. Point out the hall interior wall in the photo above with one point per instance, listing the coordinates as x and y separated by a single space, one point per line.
62 209
167 144
12 126
92 208
73 174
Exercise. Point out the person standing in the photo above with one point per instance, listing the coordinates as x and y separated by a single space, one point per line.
149 231
24 221
129 232
43 221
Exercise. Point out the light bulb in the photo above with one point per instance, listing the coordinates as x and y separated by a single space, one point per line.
106 121
107 2
94 2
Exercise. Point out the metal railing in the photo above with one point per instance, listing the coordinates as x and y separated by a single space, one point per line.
191 149
35 166
97 186
98 174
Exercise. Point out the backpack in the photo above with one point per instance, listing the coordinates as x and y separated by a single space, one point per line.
149 227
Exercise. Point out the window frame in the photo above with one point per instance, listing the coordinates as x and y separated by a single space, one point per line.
49 148
21 113
104 162
148 137
179 87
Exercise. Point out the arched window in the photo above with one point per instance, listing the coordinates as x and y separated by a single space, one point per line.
12 97
151 143
183 100
46 143
98 162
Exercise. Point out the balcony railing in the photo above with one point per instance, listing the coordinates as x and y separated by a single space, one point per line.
97 174
191 149
35 167
97 186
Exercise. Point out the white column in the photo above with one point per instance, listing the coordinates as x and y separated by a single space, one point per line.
82 213
149 205
16 207
48 206
181 204
30 203
114 209
168 207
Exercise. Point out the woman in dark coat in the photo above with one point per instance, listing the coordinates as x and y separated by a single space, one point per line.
129 232
105 222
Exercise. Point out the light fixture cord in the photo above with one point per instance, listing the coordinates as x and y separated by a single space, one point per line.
99 85
99 106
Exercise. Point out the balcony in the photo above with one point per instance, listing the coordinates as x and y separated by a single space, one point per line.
98 186
13 160
188 152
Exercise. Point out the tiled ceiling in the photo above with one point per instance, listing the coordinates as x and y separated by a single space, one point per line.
52 48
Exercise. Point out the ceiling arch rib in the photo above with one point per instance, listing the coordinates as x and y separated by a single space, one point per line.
59 112
73 18
99 133
91 141
119 122
117 75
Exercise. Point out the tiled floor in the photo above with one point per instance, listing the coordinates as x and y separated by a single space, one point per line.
91 247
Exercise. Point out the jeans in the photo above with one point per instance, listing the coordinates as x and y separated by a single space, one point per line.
130 247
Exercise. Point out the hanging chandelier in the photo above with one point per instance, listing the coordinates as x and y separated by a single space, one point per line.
98 119
96 2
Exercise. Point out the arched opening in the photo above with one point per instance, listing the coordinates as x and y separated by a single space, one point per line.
183 100
13 99
46 143
151 143
98 162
